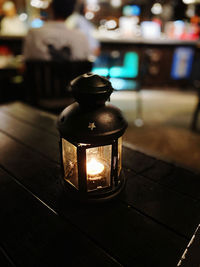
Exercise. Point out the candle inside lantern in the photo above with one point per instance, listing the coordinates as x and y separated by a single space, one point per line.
98 167
94 167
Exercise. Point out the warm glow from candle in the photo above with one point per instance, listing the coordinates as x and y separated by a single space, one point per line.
94 167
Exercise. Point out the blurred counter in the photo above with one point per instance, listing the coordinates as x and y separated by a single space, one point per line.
169 62
144 41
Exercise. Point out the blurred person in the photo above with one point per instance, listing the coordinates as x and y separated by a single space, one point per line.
54 41
1 11
11 23
78 21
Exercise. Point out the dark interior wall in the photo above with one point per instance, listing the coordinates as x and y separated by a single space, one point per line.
20 4
106 11
179 9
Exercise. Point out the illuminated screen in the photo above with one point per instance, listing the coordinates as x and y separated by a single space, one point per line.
125 66
122 67
131 10
37 23
182 63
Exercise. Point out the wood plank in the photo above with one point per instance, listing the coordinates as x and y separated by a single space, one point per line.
144 194
133 159
184 181
35 170
48 188
131 237
107 225
178 212
34 235
31 115
43 142
150 198
136 161
158 171
5 261
179 179
191 256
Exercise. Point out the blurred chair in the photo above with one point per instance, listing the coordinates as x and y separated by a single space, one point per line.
47 82
197 109
195 81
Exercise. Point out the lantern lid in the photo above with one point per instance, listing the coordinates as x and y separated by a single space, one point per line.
91 89
91 126
90 120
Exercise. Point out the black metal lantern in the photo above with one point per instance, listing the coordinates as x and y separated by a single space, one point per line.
91 141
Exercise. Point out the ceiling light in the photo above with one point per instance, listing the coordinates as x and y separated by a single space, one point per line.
156 9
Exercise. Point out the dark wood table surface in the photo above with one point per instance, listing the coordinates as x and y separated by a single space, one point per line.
149 224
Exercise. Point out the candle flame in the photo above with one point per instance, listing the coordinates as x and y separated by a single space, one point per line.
94 167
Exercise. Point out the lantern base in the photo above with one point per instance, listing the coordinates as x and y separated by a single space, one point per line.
104 195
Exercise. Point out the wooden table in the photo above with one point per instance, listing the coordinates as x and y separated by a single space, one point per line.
149 224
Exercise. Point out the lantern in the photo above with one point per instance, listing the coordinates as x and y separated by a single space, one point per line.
91 141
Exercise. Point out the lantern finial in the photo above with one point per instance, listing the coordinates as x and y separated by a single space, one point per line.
91 89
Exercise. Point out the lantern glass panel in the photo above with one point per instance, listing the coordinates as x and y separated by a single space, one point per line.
98 167
70 163
119 155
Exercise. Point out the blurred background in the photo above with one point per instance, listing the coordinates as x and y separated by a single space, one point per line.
150 51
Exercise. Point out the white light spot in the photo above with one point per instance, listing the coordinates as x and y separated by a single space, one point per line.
156 9
23 16
187 2
89 15
116 3
111 24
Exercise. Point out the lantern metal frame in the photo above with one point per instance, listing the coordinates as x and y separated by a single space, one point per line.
91 91
117 182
